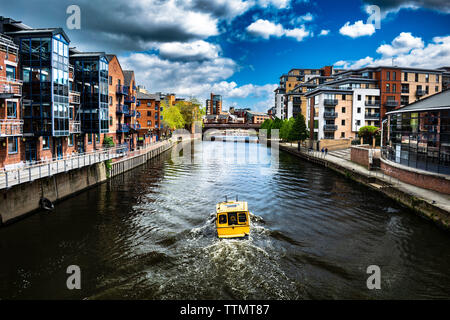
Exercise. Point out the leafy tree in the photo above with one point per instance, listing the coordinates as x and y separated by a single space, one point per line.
172 116
108 142
267 124
286 128
368 133
299 131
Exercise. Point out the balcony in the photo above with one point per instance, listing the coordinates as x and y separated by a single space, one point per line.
121 109
138 114
123 127
330 127
11 127
136 126
420 92
130 113
330 115
330 102
138 103
10 88
391 103
130 99
370 103
74 126
405 90
74 97
374 116
122 90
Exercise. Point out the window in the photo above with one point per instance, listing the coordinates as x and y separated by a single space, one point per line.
343 122
97 137
71 140
11 109
388 88
359 97
416 77
222 218
156 107
149 113
394 87
12 145
149 123
358 110
405 76
436 89
358 122
45 143
110 80
10 72
110 100
394 75
437 78
342 134
242 218
427 89
388 75
427 77
343 97
110 120
89 138
343 109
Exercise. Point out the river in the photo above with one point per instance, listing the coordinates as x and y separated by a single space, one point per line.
149 234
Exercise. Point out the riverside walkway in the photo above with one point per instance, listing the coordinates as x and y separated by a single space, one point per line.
383 180
42 169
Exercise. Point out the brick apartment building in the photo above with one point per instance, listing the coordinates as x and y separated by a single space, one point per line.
214 105
148 105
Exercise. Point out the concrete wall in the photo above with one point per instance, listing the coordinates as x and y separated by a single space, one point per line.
21 199
420 178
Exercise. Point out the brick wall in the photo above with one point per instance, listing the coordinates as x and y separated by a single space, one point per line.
360 155
428 180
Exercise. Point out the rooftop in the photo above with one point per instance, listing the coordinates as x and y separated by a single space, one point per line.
232 206
148 96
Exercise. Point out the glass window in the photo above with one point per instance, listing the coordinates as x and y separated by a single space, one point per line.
12 145
11 109
55 45
10 72
45 142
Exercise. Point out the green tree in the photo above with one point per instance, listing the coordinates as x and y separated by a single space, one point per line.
108 142
276 124
286 129
299 131
172 116
369 133
267 124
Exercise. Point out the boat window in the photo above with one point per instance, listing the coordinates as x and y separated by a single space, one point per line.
223 218
232 218
242 217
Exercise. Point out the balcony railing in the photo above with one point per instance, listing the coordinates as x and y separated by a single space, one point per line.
330 102
74 97
330 127
74 126
122 127
372 116
405 91
120 89
420 92
11 127
330 115
10 87
121 109
135 126
371 103
130 99
138 103
138 114
391 103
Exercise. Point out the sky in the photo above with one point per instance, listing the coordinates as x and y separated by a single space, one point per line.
240 48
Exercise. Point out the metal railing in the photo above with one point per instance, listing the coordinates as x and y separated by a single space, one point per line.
372 115
11 127
372 103
122 127
120 89
420 92
10 86
130 99
331 115
74 97
74 126
46 168
391 103
330 102
330 127
121 108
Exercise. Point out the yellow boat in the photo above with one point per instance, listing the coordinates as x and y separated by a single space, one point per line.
232 219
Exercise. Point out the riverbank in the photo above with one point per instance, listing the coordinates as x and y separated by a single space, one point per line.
432 205
24 198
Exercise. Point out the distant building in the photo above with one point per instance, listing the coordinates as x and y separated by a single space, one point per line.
256 117
214 104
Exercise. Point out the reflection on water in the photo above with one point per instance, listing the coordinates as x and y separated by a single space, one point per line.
149 234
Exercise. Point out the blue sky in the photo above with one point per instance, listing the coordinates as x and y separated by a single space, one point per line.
239 48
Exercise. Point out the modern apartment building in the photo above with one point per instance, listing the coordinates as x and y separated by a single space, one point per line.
214 104
290 102
11 123
131 117
91 81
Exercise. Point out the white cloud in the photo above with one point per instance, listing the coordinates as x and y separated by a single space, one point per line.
191 51
265 29
433 55
280 4
324 32
308 17
403 43
394 6
358 29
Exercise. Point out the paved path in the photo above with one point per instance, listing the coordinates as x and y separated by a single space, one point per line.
343 153
437 199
